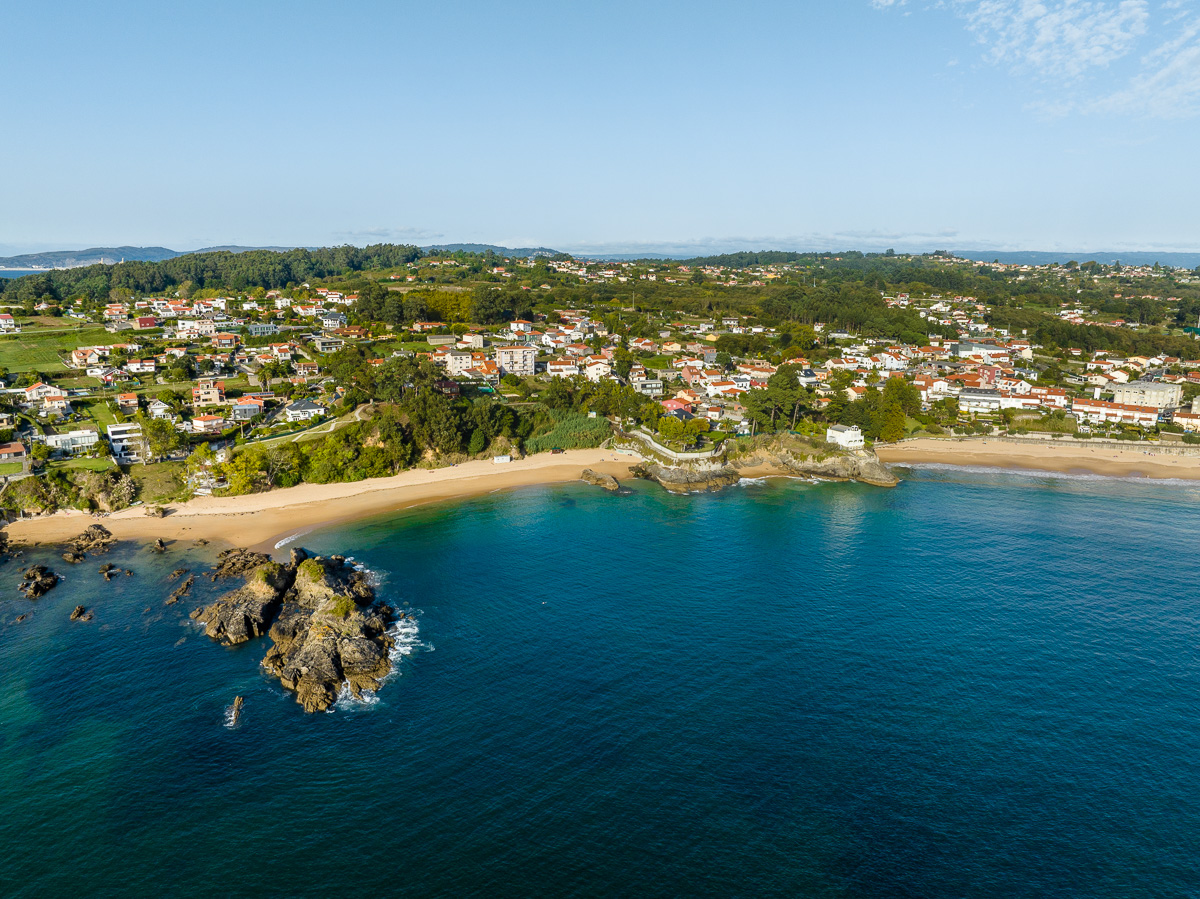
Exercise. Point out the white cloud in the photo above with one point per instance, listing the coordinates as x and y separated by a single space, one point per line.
1062 39
1168 85
1064 45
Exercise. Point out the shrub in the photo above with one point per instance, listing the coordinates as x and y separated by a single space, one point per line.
341 607
311 570
571 430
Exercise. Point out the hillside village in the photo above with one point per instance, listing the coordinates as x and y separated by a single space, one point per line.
227 370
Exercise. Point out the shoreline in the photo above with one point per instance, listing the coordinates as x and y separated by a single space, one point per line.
1057 458
260 520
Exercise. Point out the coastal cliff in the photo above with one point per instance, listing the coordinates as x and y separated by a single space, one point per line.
796 457
326 627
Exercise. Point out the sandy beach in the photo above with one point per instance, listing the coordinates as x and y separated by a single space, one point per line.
262 519
1072 457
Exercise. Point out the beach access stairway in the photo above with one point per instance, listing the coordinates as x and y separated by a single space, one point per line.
640 440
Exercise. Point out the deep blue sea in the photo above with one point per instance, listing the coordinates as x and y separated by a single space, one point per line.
975 684
20 273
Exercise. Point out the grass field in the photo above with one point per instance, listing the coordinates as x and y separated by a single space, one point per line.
100 412
161 482
29 350
7 468
84 463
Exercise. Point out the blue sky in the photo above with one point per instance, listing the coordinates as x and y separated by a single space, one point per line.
1007 124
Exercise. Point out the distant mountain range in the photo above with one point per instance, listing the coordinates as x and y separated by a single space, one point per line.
485 247
1038 257
111 255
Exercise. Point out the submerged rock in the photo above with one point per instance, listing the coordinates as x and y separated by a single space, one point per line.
73 557
596 479
177 573
181 591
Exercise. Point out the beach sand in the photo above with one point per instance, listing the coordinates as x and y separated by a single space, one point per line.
262 519
1074 457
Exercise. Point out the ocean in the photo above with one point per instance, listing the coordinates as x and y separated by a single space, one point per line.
20 272
978 683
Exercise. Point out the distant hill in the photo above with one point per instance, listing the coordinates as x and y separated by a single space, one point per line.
485 247
93 256
111 255
1038 257
237 249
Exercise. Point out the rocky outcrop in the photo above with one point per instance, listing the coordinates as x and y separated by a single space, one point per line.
81 614
38 581
596 479
96 539
785 456
326 627
247 612
692 478
830 464
234 562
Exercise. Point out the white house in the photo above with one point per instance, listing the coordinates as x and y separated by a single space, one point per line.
303 410
126 442
845 436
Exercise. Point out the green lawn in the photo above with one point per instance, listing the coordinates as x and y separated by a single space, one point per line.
100 412
7 468
30 350
84 462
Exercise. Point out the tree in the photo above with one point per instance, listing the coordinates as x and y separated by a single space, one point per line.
622 362
159 437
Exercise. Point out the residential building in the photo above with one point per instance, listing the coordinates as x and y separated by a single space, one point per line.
246 408
208 424
303 410
208 392
73 442
12 452
1149 393
845 436
126 442
517 360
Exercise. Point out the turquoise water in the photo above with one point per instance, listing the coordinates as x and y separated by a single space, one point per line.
976 684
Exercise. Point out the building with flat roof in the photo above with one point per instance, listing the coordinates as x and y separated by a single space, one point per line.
1148 393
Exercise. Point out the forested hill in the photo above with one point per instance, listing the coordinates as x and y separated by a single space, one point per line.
224 270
